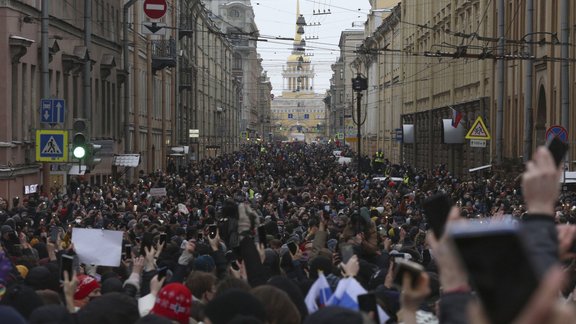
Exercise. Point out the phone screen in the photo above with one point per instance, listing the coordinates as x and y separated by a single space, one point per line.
292 247
54 234
147 242
499 268
347 252
162 239
403 266
558 149
262 234
212 229
128 250
437 208
66 264
367 303
162 272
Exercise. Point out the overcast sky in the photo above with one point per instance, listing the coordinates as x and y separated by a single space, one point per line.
277 18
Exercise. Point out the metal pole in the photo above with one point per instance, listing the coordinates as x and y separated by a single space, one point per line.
358 137
126 67
528 84
565 71
500 85
564 75
87 76
45 84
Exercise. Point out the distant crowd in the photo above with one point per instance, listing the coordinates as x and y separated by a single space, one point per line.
264 235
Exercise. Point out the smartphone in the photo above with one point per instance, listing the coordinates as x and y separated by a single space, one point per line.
347 251
234 264
128 250
162 272
292 247
147 242
262 235
54 231
135 208
437 208
199 237
212 231
403 266
499 267
162 239
367 303
66 264
558 149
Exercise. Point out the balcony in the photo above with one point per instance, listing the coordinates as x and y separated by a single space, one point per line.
186 26
163 54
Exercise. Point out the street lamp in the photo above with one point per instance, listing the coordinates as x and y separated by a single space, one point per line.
359 84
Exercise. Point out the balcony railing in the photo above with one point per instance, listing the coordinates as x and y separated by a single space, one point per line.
163 54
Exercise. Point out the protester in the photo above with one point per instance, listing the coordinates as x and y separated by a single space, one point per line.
260 236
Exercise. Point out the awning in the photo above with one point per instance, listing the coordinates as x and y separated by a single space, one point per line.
104 167
77 170
480 168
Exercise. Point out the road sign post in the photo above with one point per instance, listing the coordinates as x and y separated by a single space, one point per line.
155 9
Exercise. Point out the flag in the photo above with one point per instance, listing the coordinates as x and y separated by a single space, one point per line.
346 295
318 294
456 117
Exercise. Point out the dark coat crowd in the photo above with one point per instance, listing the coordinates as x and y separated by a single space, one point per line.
242 238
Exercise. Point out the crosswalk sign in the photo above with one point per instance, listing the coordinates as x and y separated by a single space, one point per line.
478 131
51 145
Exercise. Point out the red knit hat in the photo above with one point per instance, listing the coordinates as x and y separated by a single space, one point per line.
86 285
174 302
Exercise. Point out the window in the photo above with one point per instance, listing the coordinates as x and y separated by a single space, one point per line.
234 13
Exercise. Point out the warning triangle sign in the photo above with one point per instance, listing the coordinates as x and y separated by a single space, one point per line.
478 131
51 147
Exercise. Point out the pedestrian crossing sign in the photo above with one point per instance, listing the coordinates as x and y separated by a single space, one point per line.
478 131
51 145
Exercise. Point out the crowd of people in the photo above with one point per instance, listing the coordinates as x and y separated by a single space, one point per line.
247 237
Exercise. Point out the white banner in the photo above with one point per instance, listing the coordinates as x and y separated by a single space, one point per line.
98 247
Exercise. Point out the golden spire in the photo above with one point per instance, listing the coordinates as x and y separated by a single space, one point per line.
297 36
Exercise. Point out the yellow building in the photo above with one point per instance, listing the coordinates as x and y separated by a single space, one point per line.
427 59
299 114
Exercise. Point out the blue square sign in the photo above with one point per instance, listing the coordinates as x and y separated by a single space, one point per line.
52 111
52 146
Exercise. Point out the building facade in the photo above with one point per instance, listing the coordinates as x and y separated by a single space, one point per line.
433 59
236 20
343 98
299 114
145 102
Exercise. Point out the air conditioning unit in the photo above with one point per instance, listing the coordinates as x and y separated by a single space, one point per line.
219 109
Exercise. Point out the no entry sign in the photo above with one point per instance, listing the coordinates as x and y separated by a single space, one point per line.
155 9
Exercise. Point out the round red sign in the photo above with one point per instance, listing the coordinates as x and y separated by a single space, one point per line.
155 9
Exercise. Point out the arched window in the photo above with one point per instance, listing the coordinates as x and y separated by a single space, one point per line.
234 13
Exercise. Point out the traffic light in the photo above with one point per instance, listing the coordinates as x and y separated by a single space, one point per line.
80 139
91 159
359 83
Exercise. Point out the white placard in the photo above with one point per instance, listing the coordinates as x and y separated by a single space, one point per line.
344 160
477 143
158 192
98 247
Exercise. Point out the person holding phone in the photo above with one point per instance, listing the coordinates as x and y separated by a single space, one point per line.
540 186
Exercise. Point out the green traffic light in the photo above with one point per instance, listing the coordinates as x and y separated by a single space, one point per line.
79 152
